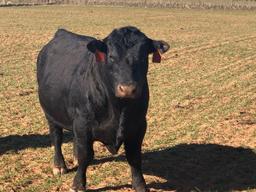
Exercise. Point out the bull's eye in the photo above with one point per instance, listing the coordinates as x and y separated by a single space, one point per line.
130 60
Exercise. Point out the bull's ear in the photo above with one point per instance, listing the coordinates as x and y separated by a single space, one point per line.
99 49
158 48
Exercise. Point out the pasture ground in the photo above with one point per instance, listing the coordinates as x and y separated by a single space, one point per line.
202 115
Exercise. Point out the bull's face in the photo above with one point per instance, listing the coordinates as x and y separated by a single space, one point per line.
125 54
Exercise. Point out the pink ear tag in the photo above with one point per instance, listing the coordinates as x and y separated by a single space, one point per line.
156 57
100 56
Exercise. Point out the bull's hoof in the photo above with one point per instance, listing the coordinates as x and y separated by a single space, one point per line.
59 171
74 190
141 188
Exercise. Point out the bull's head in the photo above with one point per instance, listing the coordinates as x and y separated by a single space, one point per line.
125 54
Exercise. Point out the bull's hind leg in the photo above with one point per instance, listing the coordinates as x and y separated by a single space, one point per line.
56 134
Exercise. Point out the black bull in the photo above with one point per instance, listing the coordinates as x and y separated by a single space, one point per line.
99 90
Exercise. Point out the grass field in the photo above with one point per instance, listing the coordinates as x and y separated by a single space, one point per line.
202 116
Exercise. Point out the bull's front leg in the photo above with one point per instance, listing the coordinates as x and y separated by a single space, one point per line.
84 150
133 154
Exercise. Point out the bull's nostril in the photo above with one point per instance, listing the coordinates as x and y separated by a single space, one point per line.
133 89
121 88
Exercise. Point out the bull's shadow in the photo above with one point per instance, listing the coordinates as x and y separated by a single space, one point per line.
185 167
199 167
15 143
207 167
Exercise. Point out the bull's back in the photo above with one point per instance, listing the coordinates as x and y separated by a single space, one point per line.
58 65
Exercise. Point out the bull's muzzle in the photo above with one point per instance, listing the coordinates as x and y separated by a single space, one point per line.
126 91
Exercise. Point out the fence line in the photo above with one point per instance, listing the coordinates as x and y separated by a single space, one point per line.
189 4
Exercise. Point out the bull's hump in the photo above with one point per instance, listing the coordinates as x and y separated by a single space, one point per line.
73 36
61 32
